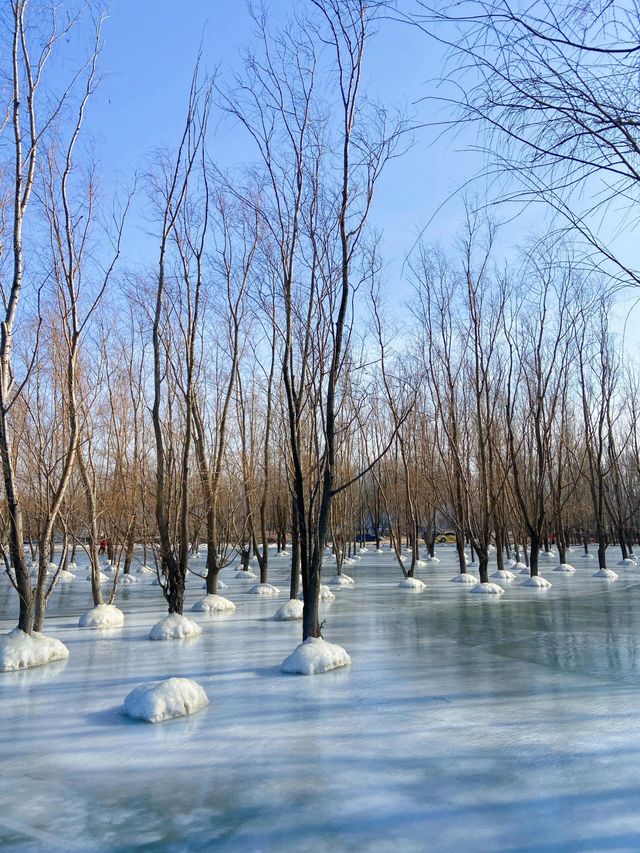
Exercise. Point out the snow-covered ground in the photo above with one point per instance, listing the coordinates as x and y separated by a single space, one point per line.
465 722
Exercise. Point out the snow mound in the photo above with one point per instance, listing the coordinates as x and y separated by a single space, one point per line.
412 584
537 582
548 555
378 551
521 569
290 610
362 551
146 570
315 655
73 567
587 556
263 589
432 559
21 651
174 627
473 564
249 576
503 575
341 580
488 589
463 577
221 585
165 700
607 574
102 578
627 562
127 579
564 568
325 594
102 616
52 568
420 563
66 577
511 562
213 604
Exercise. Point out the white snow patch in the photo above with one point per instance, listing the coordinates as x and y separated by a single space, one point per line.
263 589
503 574
102 616
473 564
341 580
174 627
129 578
537 582
102 578
521 568
289 611
213 604
564 568
315 655
165 700
66 577
146 570
488 589
432 559
420 563
325 594
21 651
412 584
627 562
221 585
464 577
607 574
248 576
587 556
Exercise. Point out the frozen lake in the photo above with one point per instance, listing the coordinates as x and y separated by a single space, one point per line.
465 723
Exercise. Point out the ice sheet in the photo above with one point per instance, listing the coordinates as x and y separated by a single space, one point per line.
466 722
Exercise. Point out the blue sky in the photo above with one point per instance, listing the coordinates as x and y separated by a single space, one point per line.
150 48
147 61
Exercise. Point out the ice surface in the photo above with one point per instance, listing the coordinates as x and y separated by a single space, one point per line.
213 604
165 700
290 610
174 627
102 616
375 757
315 656
21 651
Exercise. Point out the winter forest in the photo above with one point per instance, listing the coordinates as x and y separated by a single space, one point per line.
277 447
